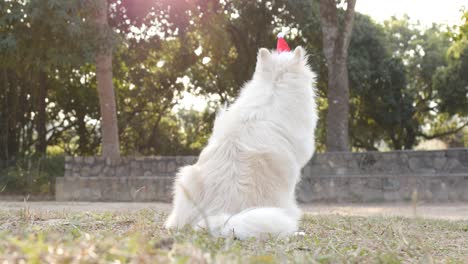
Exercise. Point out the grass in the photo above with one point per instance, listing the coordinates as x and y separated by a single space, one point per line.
138 237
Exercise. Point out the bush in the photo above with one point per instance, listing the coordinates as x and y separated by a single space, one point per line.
31 175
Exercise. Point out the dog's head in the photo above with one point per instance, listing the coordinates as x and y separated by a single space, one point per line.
279 66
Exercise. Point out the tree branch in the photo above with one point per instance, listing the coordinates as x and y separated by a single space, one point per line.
329 26
442 134
361 144
347 27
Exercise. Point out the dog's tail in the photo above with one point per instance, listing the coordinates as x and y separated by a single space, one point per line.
263 222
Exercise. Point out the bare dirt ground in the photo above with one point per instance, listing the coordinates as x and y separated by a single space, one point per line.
450 211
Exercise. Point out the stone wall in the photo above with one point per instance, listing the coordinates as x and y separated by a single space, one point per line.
438 176
128 179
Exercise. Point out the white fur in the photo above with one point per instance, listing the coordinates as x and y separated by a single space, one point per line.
243 182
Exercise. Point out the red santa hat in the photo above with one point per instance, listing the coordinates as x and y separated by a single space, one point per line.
282 45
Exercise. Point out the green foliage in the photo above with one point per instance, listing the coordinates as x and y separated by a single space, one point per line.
460 38
451 81
39 40
147 92
31 175
381 105
407 83
58 29
196 127
451 84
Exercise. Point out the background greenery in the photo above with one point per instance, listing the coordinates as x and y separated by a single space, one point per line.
408 83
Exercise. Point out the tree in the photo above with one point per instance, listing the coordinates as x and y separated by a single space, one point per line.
435 77
28 71
450 83
400 79
336 39
382 114
380 103
231 34
109 126
148 72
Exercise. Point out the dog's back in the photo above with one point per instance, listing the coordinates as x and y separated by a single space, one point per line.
248 171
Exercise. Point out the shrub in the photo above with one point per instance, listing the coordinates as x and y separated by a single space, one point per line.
31 175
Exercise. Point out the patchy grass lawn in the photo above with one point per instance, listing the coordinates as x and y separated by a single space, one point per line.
138 237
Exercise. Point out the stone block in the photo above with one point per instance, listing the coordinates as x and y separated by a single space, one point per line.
462 188
372 196
180 160
439 191
85 171
453 165
366 161
68 173
61 189
91 194
162 168
146 165
304 191
171 166
89 160
374 183
122 171
392 196
135 169
439 163
391 184
76 167
306 172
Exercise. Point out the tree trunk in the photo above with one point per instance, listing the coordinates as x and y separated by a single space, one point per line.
15 111
41 115
4 118
338 107
110 138
82 134
336 40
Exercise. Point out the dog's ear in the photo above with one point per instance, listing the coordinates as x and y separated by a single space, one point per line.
299 54
263 55
263 60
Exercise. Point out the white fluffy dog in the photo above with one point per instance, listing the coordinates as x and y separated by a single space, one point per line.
244 180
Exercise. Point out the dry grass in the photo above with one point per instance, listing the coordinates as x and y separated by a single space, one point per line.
138 237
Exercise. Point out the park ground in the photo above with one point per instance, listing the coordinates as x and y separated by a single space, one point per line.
72 232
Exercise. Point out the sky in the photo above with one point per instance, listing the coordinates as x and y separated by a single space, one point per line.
426 11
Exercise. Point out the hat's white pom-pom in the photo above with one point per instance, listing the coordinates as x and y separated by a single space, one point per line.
281 35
